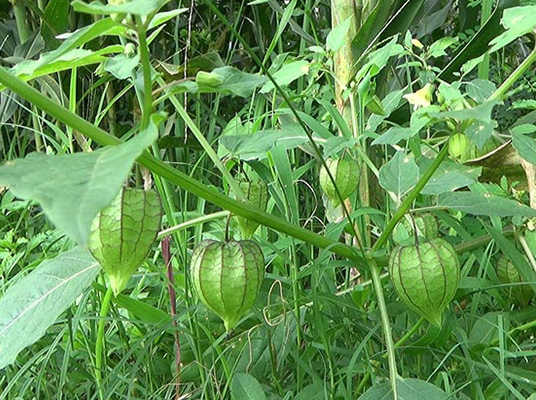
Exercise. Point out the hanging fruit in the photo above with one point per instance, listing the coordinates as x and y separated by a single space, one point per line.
123 233
426 277
345 172
459 147
508 275
227 277
425 225
256 193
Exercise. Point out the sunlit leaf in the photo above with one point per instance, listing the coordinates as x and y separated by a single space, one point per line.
34 302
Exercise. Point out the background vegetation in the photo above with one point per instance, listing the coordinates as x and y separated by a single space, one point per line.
204 94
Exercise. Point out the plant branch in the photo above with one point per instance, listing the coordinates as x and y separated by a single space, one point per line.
99 344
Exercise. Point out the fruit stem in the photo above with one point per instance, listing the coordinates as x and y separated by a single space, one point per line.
227 225
99 344
393 374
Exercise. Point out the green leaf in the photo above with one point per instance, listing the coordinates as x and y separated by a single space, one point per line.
287 74
485 204
34 302
448 177
399 174
75 40
314 391
338 35
246 387
408 389
229 80
73 188
27 70
165 16
525 146
437 49
137 7
56 18
122 66
257 145
518 21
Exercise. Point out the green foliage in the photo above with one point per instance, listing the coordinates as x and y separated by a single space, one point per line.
89 182
270 92
35 301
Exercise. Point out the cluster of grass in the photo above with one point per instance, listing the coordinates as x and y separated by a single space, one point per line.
316 329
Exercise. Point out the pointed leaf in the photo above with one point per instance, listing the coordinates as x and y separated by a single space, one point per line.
399 174
246 387
485 204
34 302
73 188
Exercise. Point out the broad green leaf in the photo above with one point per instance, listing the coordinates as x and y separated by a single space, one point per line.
26 70
480 89
525 146
287 74
448 177
73 188
314 391
399 174
338 35
35 301
246 387
122 66
257 145
228 80
485 204
437 49
408 389
165 16
137 7
75 40
518 21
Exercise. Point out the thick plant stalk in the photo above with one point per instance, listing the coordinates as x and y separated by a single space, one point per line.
99 344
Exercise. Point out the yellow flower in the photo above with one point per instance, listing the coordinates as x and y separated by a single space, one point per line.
421 98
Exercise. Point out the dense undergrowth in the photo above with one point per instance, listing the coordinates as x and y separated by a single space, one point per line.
432 100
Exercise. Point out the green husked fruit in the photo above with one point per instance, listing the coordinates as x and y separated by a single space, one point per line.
459 147
227 277
123 233
257 195
426 225
508 274
346 175
426 277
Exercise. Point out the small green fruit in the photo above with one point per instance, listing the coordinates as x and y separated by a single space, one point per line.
210 79
123 233
257 195
426 225
426 277
346 175
227 277
459 146
507 274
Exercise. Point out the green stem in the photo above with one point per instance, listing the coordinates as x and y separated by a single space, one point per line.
21 20
393 374
193 222
147 103
99 344
514 76
406 204
409 333
178 178
205 144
